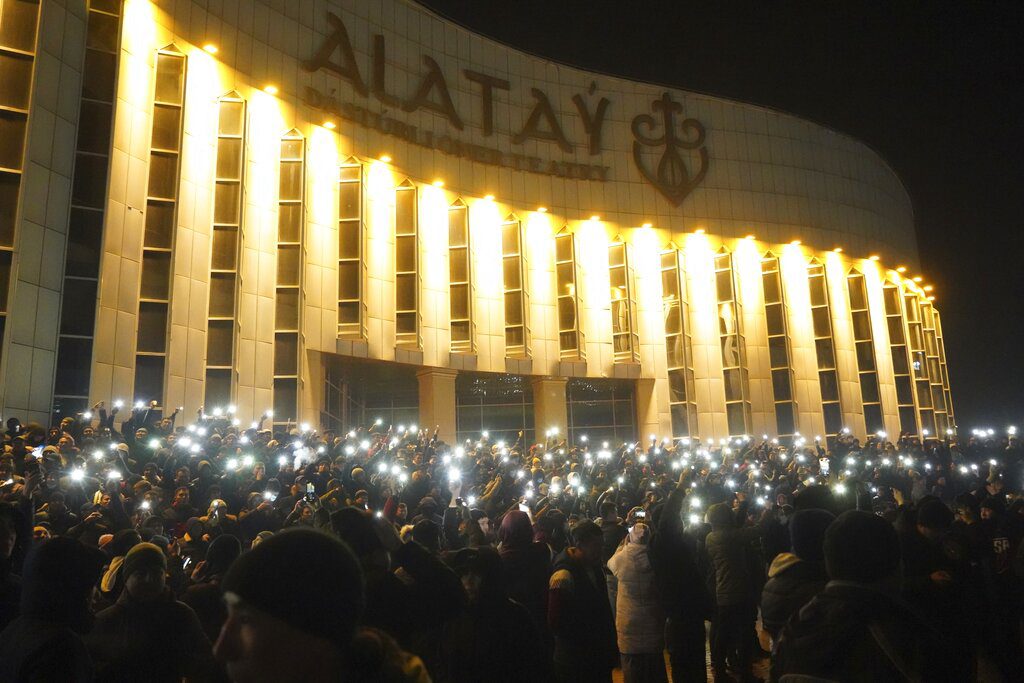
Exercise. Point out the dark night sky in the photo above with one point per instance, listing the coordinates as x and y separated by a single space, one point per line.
936 88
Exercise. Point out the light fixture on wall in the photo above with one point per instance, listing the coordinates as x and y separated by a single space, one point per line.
438 183
329 125
901 269
270 89
385 158
210 48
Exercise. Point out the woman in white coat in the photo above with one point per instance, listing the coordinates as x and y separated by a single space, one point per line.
639 616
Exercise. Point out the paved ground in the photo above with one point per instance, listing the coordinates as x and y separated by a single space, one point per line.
760 668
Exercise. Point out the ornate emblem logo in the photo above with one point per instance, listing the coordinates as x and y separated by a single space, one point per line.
672 176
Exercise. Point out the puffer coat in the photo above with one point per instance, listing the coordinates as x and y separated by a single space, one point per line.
639 612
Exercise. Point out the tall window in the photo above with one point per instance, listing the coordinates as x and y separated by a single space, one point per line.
864 342
288 300
776 314
460 279
227 219
945 371
18 20
824 348
678 344
350 250
623 302
407 317
931 346
733 346
900 357
513 269
919 362
88 201
570 336
161 215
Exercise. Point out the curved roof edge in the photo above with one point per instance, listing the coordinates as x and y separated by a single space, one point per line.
497 41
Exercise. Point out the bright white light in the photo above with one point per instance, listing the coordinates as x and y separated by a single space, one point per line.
77 475
695 502
281 461
350 449
840 489
247 461
217 412
583 438
382 467
305 426
486 434
730 484
232 464
118 403
454 475
154 443
520 474
113 474
364 444
694 519
144 505
471 500
810 481
87 415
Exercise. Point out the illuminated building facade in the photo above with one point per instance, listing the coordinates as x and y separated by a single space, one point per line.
344 211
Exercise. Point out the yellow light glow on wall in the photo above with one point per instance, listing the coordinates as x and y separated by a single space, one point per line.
489 306
380 196
746 261
541 245
265 128
700 272
434 236
592 250
322 170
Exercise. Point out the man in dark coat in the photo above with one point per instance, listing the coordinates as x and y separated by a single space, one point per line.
794 578
857 628
44 643
579 614
148 635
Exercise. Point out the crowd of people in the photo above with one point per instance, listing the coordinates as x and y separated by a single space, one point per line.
141 549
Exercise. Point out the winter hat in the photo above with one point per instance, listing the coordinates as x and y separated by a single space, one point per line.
932 513
355 527
861 546
143 557
720 516
260 537
307 579
807 533
818 497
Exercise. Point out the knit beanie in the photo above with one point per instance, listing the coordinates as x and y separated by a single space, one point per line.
861 546
306 578
143 557
807 533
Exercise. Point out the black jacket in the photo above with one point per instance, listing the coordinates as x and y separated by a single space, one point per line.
856 632
580 615
677 574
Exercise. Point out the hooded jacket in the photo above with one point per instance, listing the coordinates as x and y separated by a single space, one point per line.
792 582
728 548
639 613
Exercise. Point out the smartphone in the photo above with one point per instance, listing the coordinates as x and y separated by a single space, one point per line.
310 493
641 514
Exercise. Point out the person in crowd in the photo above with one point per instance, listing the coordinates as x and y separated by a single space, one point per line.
147 635
298 621
639 612
578 595
204 596
729 546
495 638
858 628
794 578
45 642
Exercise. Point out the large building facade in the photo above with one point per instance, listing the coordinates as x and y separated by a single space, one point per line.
344 211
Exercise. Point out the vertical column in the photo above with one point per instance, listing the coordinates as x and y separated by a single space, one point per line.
622 292
517 305
678 345
905 403
437 401
707 357
549 404
288 303
845 352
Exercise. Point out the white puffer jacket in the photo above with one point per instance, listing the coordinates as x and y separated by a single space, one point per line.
639 617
